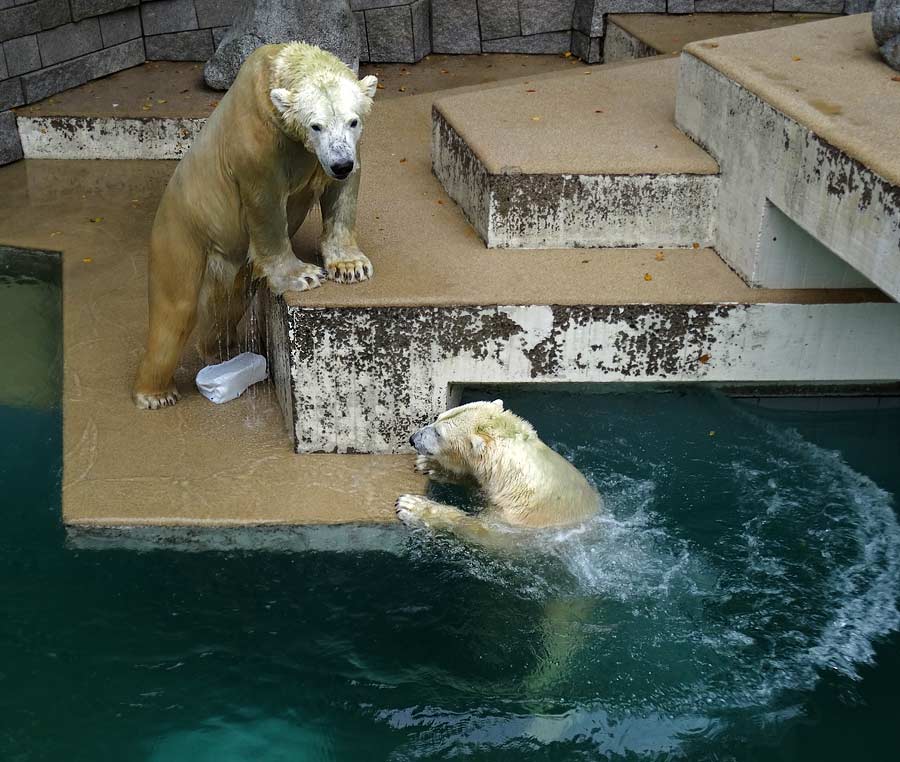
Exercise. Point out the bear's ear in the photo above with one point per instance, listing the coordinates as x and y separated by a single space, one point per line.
369 85
498 403
282 99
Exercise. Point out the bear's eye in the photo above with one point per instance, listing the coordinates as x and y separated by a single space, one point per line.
317 128
354 122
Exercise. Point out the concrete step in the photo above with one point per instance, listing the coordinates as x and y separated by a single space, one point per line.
805 123
639 35
589 158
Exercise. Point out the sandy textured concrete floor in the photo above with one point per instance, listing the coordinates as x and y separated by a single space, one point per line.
828 76
176 89
669 34
616 120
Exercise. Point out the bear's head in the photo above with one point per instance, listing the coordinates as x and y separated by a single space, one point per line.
322 104
465 438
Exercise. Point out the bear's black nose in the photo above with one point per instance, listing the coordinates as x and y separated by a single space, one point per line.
342 168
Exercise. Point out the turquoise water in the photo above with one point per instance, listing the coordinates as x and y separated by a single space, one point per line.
737 602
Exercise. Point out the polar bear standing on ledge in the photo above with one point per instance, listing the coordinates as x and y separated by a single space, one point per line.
524 482
284 136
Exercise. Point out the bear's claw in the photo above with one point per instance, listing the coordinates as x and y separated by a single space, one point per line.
353 269
157 400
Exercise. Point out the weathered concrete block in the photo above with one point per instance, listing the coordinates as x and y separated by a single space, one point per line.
53 79
454 26
164 16
621 45
70 41
588 49
733 6
3 71
858 6
588 17
19 21
52 13
330 24
421 15
499 18
11 93
390 33
363 39
886 28
10 146
841 203
365 5
212 13
809 6
680 6
21 55
193 45
546 15
82 9
549 42
120 26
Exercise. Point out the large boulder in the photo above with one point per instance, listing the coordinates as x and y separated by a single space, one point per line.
330 24
886 27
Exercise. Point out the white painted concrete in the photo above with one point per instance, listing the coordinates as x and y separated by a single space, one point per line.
766 156
360 380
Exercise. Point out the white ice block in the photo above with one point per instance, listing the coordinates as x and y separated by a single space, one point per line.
230 379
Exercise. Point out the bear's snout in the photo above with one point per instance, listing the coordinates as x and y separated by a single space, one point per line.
342 169
425 441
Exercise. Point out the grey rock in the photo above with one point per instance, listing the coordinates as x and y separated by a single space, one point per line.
732 6
4 4
11 93
390 34
549 42
330 24
166 16
10 145
421 15
680 6
22 55
53 79
120 26
192 45
82 9
52 13
70 41
499 18
454 26
216 12
367 5
588 17
546 15
19 21
4 73
886 28
858 6
809 6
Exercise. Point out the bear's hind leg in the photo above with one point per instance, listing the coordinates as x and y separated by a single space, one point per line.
175 280
223 302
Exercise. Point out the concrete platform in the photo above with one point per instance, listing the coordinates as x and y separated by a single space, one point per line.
590 158
196 464
805 123
153 111
638 35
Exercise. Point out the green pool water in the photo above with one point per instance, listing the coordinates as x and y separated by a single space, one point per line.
738 601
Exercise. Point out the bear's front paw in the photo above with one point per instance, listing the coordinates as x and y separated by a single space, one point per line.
352 267
426 465
410 509
297 276
154 400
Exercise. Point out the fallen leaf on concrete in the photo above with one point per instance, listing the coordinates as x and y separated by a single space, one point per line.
660 256
796 58
379 86
648 277
598 111
440 201
161 100
55 233
895 79
531 91
87 260
535 119
214 102
704 358
145 107
185 91
403 161
567 54
696 245
445 71
96 219
402 89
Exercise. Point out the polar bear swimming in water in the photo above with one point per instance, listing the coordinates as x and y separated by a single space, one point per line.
283 138
524 482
